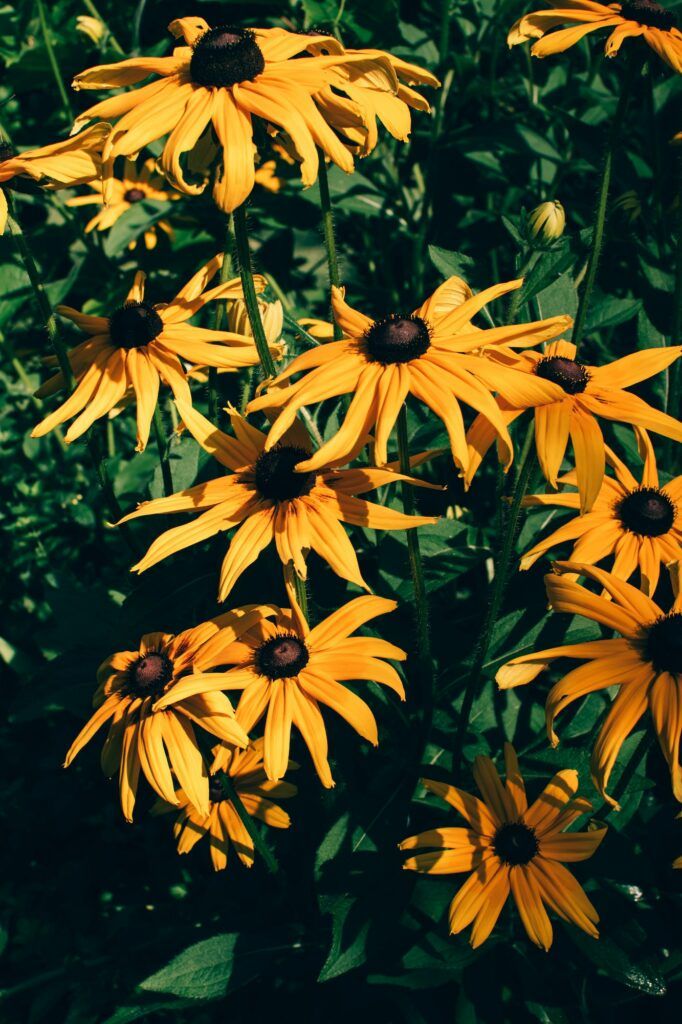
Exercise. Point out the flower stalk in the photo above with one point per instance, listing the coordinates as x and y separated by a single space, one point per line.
248 823
220 307
54 63
241 237
329 237
164 461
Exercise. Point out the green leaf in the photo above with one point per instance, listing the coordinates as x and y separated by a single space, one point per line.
133 223
449 263
341 960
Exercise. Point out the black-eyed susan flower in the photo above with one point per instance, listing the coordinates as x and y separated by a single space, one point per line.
637 19
574 396
645 663
73 161
639 523
163 743
285 670
511 848
213 86
222 824
430 353
140 345
300 512
135 185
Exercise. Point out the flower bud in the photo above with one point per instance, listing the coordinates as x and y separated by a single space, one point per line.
547 221
271 314
93 28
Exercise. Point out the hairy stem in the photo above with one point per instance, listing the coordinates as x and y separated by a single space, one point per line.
54 64
241 237
250 826
329 237
219 313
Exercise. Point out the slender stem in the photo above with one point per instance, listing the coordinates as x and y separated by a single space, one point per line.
328 228
54 64
166 474
250 826
137 24
301 595
219 312
417 572
241 237
502 574
111 38
676 337
612 141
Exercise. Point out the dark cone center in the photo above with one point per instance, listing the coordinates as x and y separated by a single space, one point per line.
134 195
276 476
282 657
397 339
134 325
216 789
664 643
149 675
567 373
648 12
646 511
224 56
515 843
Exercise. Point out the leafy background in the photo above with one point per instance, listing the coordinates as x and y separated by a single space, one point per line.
101 921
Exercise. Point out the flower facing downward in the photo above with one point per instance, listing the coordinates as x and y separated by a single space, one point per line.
162 742
429 353
274 502
243 770
285 670
207 95
138 346
643 19
640 523
511 848
645 663
547 221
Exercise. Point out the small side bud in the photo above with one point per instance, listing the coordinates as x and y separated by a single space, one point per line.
547 221
93 28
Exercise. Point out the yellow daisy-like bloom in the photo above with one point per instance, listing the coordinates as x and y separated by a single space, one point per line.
646 663
299 511
639 523
573 396
218 82
222 824
141 736
73 161
643 19
139 346
511 848
285 670
135 185
431 353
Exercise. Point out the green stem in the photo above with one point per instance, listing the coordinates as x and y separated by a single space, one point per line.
301 595
676 337
612 140
241 237
54 64
250 826
328 229
417 572
502 567
167 476
111 38
137 24
219 312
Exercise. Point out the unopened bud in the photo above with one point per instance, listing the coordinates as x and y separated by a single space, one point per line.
93 28
547 221
271 313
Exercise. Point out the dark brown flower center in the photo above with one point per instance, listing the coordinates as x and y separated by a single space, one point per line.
134 325
276 476
663 646
134 195
281 657
648 12
397 339
224 56
646 511
149 674
567 373
216 788
515 843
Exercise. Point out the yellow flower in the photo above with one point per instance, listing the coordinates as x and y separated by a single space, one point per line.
511 848
222 824
271 314
139 346
299 511
645 664
135 185
569 398
217 82
640 523
73 161
547 220
143 737
430 353
285 670
93 28
643 19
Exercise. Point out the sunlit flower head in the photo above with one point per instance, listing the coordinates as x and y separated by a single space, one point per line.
511 848
430 353
262 491
645 663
